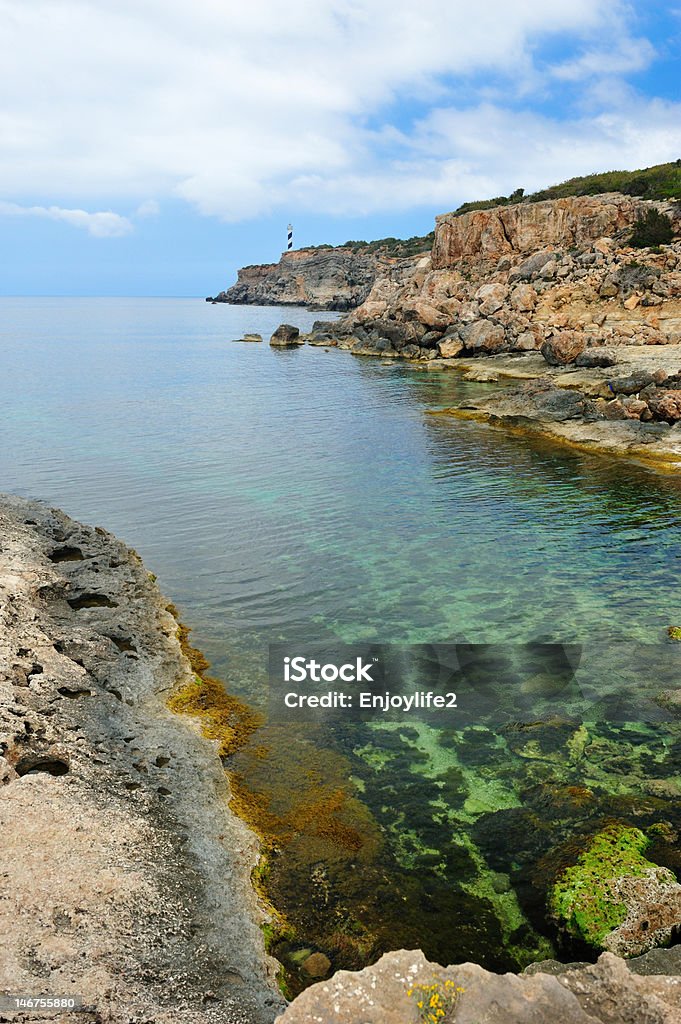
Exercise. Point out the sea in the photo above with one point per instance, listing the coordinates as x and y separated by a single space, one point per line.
305 496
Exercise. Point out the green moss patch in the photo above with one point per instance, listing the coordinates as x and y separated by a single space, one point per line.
585 899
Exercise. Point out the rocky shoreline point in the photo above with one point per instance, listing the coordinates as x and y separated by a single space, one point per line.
551 294
337 278
125 877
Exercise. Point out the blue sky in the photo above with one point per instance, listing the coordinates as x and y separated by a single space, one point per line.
150 147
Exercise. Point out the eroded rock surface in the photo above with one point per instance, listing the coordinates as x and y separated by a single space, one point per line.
527 227
125 878
337 278
603 993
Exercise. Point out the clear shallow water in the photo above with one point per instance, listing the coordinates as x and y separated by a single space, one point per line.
308 494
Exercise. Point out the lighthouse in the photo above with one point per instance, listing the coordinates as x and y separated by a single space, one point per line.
289 238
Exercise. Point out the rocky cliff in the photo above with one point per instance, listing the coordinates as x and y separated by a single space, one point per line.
570 223
560 284
334 278
511 278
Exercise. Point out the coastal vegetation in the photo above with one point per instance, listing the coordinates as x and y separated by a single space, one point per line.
660 182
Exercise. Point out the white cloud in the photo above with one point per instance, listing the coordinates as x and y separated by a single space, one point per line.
242 108
148 208
104 224
629 55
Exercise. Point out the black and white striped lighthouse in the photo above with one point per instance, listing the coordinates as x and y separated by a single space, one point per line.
289 238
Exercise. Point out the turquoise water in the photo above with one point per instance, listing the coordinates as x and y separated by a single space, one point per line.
307 494
274 489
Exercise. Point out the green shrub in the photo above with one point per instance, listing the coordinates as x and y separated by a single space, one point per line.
652 228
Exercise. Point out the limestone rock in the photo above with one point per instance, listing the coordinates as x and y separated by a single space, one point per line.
614 898
483 336
524 298
666 406
334 278
491 298
125 876
632 383
450 347
526 342
599 356
602 993
430 315
531 266
286 336
526 227
563 348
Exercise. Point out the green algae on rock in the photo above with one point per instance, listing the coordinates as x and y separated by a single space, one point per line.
614 898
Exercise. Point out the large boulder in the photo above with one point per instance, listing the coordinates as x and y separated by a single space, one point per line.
430 315
450 347
491 298
285 336
524 298
599 356
563 348
483 336
666 405
613 898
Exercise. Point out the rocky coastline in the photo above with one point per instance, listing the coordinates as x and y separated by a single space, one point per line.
127 878
338 278
552 294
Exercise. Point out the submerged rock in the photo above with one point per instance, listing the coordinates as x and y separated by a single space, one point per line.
615 899
316 965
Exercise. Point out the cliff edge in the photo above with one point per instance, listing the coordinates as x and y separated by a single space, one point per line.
337 278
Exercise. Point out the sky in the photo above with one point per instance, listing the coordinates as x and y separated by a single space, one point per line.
151 147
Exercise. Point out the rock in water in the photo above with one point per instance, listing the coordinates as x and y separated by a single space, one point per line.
615 899
286 336
317 965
